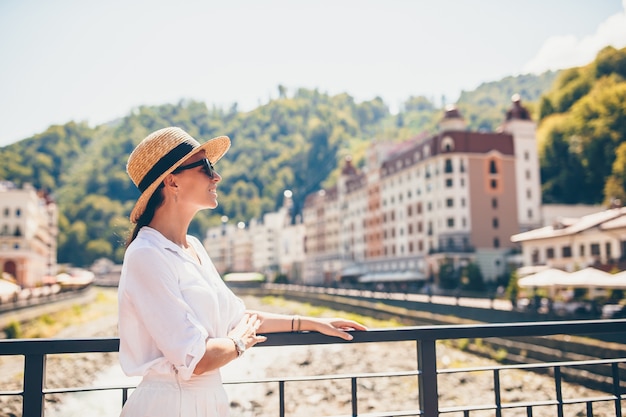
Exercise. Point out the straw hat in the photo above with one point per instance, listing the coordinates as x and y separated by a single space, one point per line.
162 152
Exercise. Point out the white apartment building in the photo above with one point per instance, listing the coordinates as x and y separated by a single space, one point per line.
572 244
28 234
457 195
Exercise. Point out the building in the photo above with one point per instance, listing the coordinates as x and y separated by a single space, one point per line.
272 246
456 196
28 234
571 244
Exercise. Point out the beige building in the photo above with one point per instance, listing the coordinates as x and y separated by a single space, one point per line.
273 245
28 234
571 244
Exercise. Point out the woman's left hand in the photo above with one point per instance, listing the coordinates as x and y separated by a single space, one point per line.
336 327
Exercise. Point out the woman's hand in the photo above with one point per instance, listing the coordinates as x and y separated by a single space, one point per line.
246 330
336 327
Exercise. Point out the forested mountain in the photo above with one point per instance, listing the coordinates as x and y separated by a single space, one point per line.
295 142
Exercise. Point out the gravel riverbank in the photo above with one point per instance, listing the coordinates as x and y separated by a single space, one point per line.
318 398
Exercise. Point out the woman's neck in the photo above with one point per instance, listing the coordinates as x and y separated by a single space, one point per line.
173 226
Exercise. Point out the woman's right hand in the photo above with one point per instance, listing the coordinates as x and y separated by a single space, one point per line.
246 330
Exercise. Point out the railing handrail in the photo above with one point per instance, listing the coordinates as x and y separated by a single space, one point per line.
437 332
35 352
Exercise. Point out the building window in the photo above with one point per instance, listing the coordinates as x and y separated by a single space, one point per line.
18 212
535 257
527 174
566 252
495 223
496 242
449 183
528 194
582 250
493 169
493 184
448 166
526 155
550 253
6 212
595 249
449 202
450 222
494 203
607 248
18 231
409 211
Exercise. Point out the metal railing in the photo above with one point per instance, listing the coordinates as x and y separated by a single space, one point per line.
35 352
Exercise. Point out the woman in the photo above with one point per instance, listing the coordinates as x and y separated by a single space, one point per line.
178 322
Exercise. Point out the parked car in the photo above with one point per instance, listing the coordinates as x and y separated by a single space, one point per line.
9 291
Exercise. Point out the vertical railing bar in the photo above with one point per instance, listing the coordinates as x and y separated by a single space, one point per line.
124 396
559 390
427 367
354 400
496 389
281 397
529 411
589 409
34 375
616 389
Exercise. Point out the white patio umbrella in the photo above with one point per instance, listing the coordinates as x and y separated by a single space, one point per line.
545 278
585 278
612 281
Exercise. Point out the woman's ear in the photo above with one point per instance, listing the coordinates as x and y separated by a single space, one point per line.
170 181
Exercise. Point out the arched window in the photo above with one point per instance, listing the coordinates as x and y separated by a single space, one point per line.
493 168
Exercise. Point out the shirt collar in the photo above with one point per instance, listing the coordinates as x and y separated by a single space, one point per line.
155 236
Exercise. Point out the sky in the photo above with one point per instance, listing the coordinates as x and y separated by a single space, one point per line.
95 61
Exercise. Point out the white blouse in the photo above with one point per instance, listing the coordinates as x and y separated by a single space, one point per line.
169 305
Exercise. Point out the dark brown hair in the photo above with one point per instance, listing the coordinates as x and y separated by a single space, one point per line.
146 217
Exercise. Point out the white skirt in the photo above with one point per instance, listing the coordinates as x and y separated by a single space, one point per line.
170 396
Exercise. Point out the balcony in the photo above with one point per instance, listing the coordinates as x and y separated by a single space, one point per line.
426 370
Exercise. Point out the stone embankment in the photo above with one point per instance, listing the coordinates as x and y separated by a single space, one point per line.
325 397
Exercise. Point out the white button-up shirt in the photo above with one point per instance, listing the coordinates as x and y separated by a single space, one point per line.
169 305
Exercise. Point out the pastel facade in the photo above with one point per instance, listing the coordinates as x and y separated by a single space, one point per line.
28 234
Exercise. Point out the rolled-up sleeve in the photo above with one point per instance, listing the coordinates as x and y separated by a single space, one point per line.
155 320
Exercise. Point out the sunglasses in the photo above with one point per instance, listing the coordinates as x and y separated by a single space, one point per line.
204 163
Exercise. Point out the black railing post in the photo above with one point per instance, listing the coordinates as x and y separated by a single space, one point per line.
496 389
427 367
34 374
281 398
559 391
355 411
616 389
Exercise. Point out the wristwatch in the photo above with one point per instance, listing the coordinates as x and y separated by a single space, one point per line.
239 345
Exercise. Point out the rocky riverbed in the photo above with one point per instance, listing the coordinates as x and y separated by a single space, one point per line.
321 397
